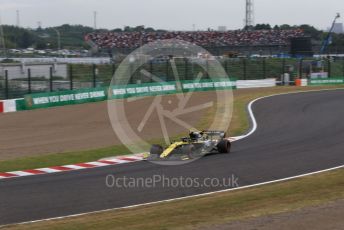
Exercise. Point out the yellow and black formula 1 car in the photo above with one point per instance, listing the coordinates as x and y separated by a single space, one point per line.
196 145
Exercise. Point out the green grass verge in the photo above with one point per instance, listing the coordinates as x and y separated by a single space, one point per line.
212 209
61 158
239 125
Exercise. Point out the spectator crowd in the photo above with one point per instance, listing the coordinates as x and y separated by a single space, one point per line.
201 38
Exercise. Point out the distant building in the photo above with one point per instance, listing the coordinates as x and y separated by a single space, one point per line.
338 28
222 28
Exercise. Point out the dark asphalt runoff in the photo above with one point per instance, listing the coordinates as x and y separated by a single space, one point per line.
297 134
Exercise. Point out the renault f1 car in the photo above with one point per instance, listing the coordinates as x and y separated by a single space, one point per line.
197 144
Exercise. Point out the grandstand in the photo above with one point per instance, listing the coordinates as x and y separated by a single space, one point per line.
207 39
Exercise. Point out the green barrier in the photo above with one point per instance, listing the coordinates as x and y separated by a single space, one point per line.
328 81
20 105
45 100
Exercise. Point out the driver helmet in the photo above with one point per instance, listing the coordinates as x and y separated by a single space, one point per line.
195 135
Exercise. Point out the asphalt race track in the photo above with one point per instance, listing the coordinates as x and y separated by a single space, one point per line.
297 134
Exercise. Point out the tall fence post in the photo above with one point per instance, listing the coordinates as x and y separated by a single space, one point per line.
51 79
283 69
131 73
113 69
71 77
29 80
301 68
167 69
244 68
6 85
151 70
186 69
226 67
207 69
94 71
329 67
264 68
283 66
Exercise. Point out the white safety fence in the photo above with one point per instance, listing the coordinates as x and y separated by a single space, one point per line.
246 84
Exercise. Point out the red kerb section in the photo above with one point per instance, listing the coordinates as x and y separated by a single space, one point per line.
1 106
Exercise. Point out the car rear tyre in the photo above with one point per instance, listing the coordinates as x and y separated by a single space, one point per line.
224 146
156 150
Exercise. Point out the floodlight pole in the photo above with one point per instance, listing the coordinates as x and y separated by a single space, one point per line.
58 39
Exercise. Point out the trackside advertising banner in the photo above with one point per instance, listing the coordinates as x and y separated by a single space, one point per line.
45 100
208 85
153 89
141 90
328 81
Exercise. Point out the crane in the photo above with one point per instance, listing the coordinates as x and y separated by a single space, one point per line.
328 38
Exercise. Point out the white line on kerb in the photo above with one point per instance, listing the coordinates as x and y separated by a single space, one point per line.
253 119
253 129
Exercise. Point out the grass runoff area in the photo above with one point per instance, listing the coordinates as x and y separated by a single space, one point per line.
239 125
211 210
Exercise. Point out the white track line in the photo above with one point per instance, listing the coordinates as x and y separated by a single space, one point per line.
254 128
253 119
251 114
